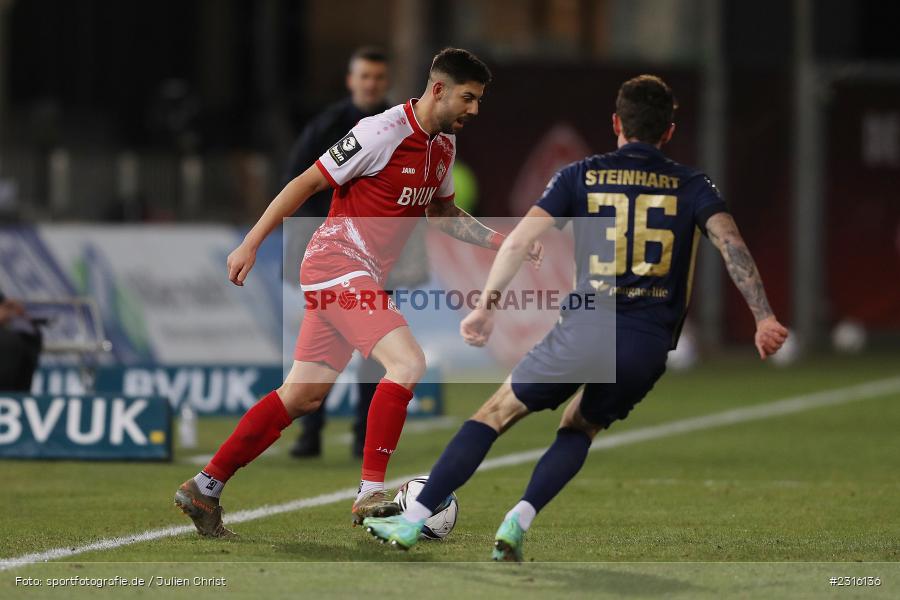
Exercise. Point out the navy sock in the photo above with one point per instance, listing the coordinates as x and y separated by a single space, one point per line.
559 464
458 462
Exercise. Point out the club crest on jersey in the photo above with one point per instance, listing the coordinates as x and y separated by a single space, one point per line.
441 170
345 149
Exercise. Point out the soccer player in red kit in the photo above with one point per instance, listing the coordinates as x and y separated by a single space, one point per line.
388 170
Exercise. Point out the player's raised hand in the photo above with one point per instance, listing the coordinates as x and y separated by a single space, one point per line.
476 328
239 264
770 336
536 254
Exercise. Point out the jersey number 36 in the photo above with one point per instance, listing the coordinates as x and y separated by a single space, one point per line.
641 236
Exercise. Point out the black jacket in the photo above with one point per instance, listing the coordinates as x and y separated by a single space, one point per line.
323 131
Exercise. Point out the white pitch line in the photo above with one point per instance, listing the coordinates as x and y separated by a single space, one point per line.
795 404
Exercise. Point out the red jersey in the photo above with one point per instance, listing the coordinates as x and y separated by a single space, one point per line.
387 166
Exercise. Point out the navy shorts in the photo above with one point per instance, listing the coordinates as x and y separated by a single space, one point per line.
561 363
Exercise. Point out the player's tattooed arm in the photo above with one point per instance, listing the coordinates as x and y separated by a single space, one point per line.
724 234
457 223
521 244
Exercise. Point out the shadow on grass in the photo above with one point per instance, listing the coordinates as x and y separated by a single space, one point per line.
360 549
561 578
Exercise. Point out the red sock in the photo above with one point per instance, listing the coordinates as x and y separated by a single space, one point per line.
387 413
257 430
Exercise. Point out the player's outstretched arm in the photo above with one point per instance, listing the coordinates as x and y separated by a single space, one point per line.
459 224
286 203
477 326
724 234
456 222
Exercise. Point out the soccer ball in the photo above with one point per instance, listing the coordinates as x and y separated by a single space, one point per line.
441 523
849 337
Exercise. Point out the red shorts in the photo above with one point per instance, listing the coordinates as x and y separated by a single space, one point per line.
351 314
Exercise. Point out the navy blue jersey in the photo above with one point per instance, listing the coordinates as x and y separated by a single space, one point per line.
643 252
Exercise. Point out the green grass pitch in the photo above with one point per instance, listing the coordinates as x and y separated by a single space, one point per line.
766 508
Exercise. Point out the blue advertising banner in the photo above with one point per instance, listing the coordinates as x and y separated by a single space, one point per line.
85 427
209 390
219 390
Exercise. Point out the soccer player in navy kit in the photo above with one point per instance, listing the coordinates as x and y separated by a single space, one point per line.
641 257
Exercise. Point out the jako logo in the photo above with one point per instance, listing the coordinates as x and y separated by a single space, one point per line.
416 196
409 170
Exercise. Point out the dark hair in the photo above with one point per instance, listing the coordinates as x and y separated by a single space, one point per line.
370 53
461 65
646 106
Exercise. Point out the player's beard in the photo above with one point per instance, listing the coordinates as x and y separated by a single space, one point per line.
448 122
446 125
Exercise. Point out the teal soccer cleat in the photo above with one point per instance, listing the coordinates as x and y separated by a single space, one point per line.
396 530
509 540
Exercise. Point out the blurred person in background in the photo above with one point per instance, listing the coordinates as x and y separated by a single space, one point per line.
20 347
367 81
